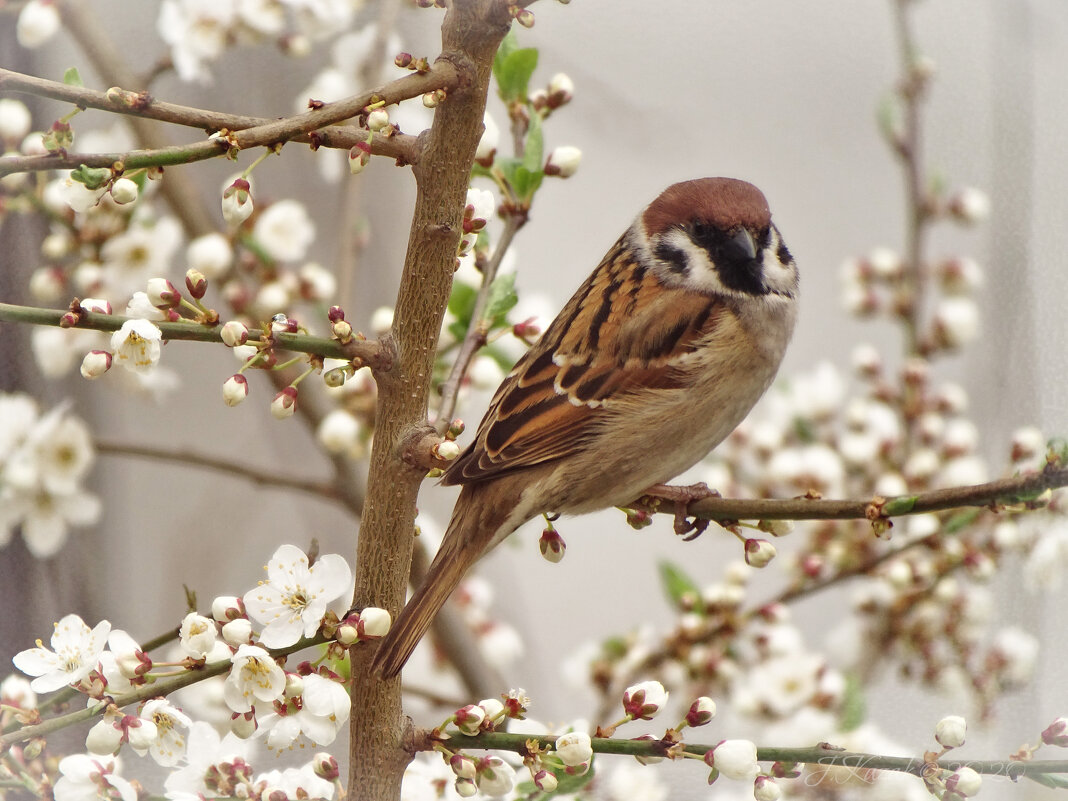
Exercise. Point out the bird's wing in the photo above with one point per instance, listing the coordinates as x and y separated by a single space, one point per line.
622 332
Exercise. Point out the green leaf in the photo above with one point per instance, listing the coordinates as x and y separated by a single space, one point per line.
71 77
534 147
462 302
1055 780
502 298
899 506
92 177
512 67
854 706
676 584
572 784
961 520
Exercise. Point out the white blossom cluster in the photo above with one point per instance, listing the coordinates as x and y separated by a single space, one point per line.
44 460
263 700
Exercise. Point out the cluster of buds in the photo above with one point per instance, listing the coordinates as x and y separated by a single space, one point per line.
370 623
406 61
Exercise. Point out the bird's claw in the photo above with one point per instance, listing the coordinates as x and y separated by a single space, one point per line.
682 497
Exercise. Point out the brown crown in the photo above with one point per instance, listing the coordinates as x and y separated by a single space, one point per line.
723 202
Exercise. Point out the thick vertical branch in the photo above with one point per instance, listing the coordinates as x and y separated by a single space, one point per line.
470 35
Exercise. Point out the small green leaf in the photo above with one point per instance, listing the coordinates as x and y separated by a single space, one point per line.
899 506
676 584
854 706
71 77
512 67
534 147
92 177
502 298
572 784
462 302
526 183
961 520
1055 780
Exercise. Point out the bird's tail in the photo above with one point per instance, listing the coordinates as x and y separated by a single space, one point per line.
468 536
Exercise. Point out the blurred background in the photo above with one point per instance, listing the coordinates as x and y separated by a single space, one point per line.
780 93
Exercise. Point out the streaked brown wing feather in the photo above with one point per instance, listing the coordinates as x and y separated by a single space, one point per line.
622 331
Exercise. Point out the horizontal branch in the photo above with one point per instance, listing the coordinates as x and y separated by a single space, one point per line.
424 740
1004 491
316 127
155 689
369 352
264 478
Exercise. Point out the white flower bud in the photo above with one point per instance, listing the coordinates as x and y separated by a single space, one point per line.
237 632
950 731
644 700
563 161
96 363
124 191
38 22
736 759
574 748
211 254
766 789
469 719
374 622
15 119
701 711
758 553
237 202
956 321
284 403
964 781
235 389
104 738
378 119
970 205
234 333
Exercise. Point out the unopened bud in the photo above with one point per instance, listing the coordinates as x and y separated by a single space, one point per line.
196 283
552 545
284 403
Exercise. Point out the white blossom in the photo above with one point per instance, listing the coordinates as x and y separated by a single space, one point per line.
15 119
736 759
211 254
295 597
75 653
136 346
37 23
255 676
84 777
284 230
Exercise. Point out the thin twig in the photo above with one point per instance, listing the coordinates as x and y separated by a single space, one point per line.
827 756
478 328
368 352
262 477
1003 491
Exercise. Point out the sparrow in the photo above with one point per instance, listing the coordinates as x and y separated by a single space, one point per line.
651 364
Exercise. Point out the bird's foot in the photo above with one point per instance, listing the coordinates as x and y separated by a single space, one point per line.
682 497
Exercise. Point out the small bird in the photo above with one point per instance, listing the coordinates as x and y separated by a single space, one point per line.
653 362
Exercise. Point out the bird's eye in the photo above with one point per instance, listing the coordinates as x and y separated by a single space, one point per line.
701 229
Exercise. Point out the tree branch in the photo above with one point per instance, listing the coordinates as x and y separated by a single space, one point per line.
368 352
256 476
825 756
316 127
994 493
471 33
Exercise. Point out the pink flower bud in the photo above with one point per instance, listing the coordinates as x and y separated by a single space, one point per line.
463 767
758 553
96 305
235 389
545 781
1056 733
162 293
196 283
359 157
644 700
335 314
325 766
552 545
701 711
237 202
284 403
469 719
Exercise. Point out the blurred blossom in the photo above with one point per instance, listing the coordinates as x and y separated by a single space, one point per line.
284 230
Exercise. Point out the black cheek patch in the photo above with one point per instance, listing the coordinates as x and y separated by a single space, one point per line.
783 254
673 257
742 275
